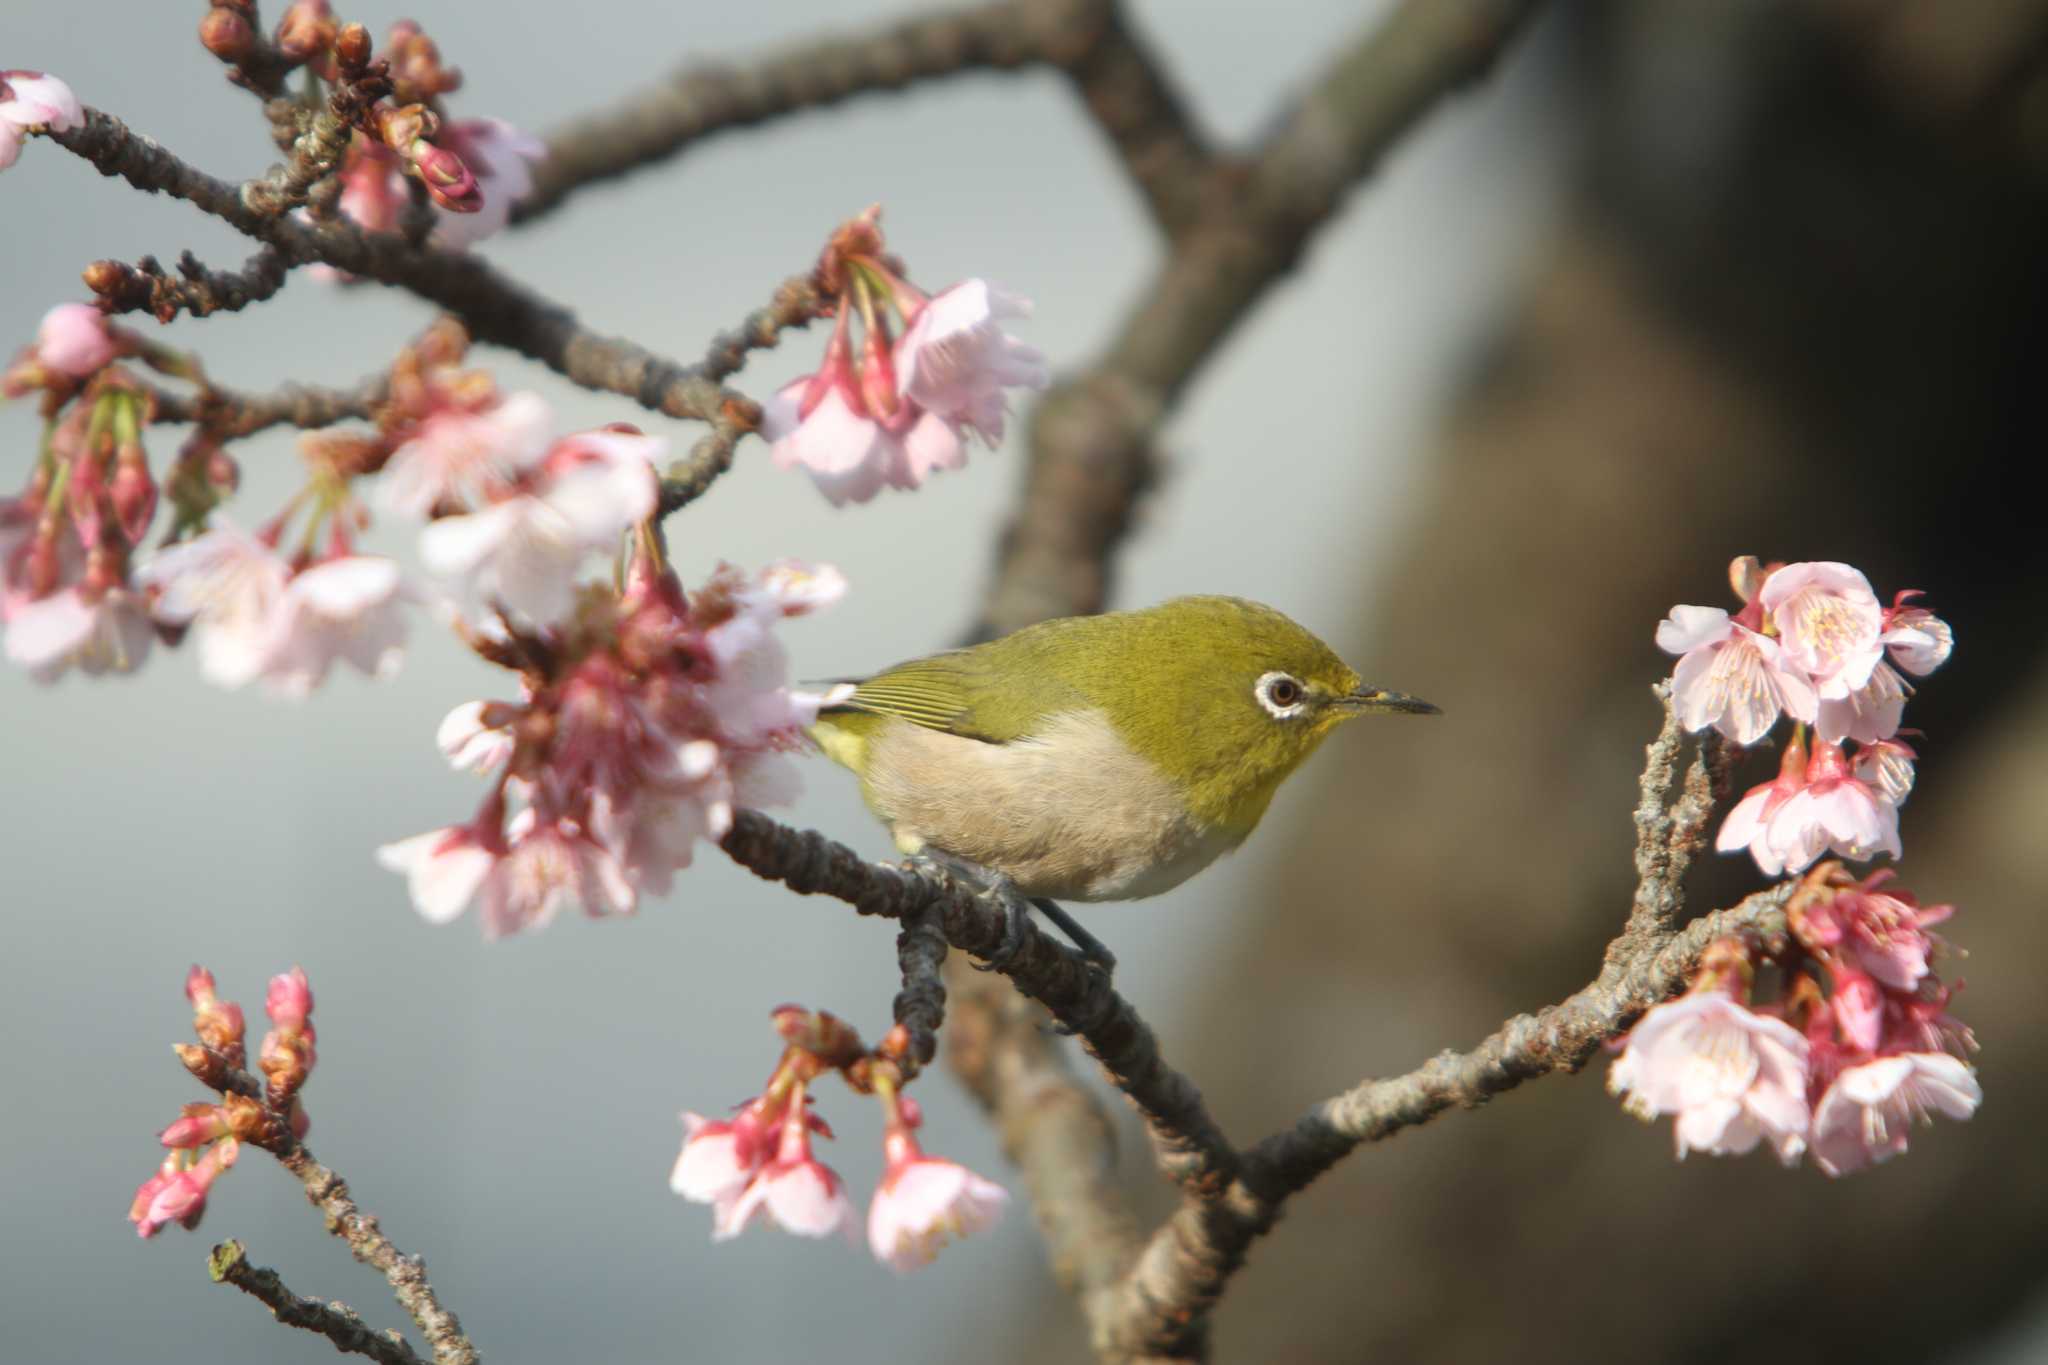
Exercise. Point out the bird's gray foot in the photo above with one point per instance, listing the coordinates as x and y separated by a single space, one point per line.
1016 909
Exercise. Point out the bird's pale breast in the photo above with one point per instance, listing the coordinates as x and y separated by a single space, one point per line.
1070 812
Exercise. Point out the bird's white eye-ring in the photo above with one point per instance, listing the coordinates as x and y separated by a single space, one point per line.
1281 694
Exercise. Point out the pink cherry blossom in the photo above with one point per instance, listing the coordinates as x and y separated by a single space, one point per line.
469 739
74 340
720 1156
849 455
1886 765
31 101
1734 1078
1862 1118
502 158
1835 811
1858 1009
455 456
1829 622
177 1193
793 1190
104 633
1869 713
1749 822
1918 640
350 610
444 869
547 866
955 360
925 1201
1730 675
1886 934
227 585
523 552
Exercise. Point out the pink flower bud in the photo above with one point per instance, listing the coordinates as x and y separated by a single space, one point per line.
74 340
447 179
306 30
289 1000
200 1124
132 492
226 34
1859 1009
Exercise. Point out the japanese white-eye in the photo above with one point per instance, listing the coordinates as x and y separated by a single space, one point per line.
1102 757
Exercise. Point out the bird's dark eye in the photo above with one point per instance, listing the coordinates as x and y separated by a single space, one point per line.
1280 694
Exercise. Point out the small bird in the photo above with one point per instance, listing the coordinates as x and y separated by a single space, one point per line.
1094 758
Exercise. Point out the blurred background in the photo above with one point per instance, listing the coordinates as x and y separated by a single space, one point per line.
1681 281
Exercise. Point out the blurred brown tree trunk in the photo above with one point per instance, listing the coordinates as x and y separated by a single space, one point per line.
1796 317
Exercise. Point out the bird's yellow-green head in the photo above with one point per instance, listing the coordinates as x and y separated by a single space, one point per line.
1227 697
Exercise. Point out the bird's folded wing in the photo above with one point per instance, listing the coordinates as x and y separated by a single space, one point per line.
950 693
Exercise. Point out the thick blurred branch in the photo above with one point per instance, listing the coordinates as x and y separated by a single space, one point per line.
1121 84
1091 436
229 413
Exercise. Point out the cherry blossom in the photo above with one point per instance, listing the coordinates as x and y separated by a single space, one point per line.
1733 1077
177 1192
33 102
1750 823
443 868
1862 1118
1917 640
1730 675
720 1156
523 552
103 632
956 360
923 1202
792 1189
1829 622
456 454
349 610
227 585
1835 810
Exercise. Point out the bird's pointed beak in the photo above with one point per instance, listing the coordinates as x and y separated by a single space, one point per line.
1379 699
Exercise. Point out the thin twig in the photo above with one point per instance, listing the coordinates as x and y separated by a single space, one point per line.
920 1007
200 290
339 1323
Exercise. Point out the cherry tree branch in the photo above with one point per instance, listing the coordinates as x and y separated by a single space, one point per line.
199 290
1119 82
1091 435
230 413
339 1323
328 1192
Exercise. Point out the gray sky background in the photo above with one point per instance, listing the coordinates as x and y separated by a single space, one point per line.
510 1109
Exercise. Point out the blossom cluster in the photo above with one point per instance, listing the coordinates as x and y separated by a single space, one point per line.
888 410
758 1166
1841 1071
206 1139
1812 641
646 716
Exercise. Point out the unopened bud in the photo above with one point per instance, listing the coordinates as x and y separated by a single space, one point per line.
399 128
226 33
289 999
352 47
1746 576
447 179
199 1125
878 374
306 30
132 491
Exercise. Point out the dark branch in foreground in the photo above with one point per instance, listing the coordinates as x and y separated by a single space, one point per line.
339 1323
199 290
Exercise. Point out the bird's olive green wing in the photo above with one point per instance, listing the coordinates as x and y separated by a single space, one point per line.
966 692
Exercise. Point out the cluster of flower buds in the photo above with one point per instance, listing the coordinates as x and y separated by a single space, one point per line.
33 102
759 1166
66 541
207 1138
1811 641
473 170
889 410
647 716
1839 1070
